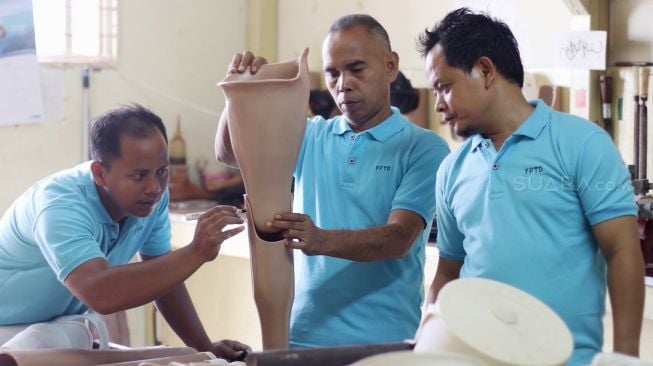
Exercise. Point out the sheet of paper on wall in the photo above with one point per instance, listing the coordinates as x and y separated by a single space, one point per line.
53 92
582 50
20 89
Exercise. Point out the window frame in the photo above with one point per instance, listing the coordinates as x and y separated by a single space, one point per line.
107 55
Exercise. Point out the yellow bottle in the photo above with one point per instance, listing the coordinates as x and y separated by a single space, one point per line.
177 147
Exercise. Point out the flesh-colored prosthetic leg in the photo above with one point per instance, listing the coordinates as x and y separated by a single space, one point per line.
266 118
274 285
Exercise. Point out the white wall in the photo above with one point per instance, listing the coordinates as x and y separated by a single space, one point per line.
173 51
171 54
535 24
631 31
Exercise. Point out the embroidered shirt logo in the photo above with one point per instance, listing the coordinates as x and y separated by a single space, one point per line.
383 168
533 170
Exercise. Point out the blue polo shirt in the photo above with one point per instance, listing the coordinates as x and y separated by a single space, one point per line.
524 215
55 226
347 180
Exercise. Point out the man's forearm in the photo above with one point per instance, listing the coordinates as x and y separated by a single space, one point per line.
626 286
133 284
178 311
389 241
447 271
438 282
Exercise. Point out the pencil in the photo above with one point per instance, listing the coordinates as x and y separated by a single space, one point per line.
195 215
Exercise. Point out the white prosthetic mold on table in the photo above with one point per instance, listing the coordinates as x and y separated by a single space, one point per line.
494 323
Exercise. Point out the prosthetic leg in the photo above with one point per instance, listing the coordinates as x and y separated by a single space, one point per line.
266 119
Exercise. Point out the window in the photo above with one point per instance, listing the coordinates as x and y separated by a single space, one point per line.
76 31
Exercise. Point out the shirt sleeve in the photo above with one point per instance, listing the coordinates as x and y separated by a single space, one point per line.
603 181
415 192
450 241
158 242
310 124
66 238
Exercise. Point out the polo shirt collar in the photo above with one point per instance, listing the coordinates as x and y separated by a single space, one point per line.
93 197
475 141
535 123
381 132
340 126
530 128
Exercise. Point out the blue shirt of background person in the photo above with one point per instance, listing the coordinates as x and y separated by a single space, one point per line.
553 242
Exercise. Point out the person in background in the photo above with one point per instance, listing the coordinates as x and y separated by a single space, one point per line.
321 104
65 243
224 183
363 198
406 99
403 95
535 198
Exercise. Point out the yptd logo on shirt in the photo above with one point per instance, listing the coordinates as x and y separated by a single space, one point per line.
533 170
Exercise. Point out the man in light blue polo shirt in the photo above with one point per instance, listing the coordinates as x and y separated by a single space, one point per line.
65 243
363 198
535 198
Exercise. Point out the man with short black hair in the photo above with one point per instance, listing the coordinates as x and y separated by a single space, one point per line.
535 198
65 243
364 198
